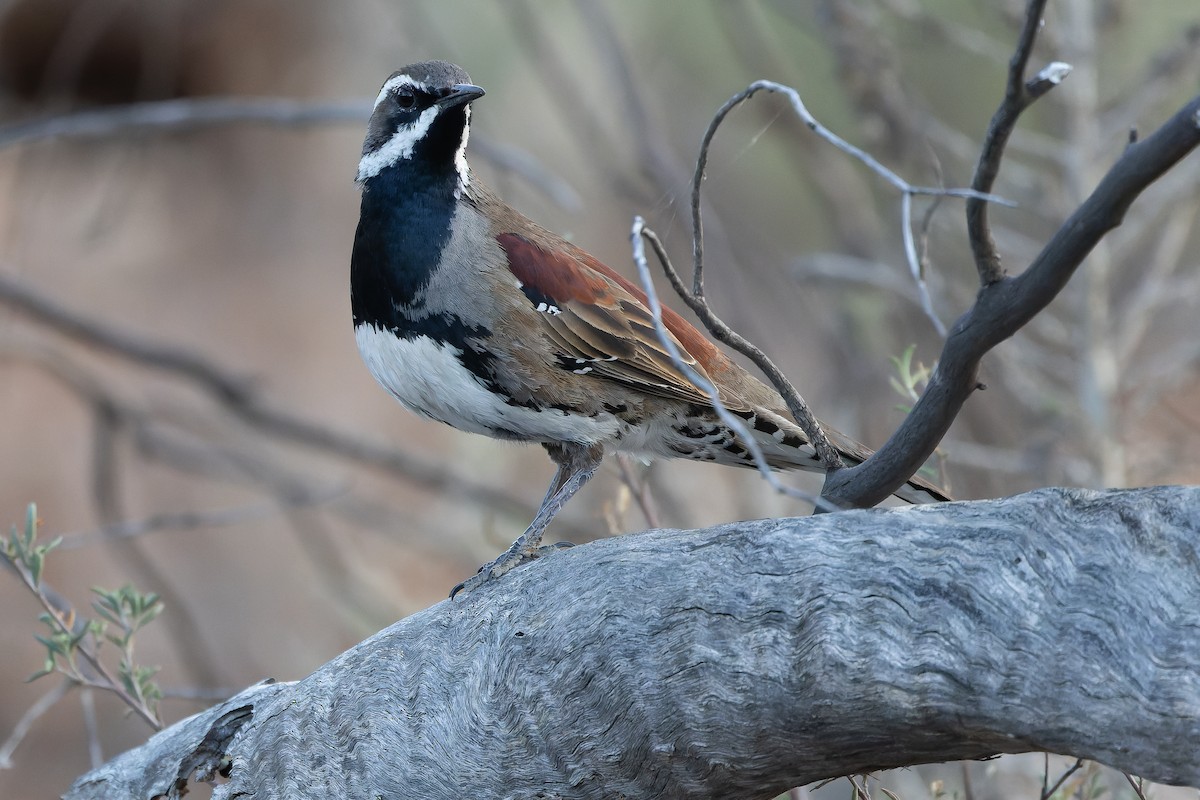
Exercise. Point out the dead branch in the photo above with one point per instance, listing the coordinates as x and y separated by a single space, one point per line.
739 661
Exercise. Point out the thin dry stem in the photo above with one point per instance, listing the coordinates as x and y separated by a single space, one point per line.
638 235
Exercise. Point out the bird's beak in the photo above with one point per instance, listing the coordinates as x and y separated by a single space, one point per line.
461 94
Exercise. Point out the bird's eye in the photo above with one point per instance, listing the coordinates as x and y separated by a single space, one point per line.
405 98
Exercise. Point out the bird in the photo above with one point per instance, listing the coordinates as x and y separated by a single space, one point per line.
471 314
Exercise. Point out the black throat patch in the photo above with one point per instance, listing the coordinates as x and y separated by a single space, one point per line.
403 227
404 222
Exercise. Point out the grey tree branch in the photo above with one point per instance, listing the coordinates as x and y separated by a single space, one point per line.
738 661
1004 306
185 114
695 296
639 233
1018 95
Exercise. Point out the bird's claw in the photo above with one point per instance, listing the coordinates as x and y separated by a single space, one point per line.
507 561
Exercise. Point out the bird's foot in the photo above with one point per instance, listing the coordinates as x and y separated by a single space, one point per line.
508 560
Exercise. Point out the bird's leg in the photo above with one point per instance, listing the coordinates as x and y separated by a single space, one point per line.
576 466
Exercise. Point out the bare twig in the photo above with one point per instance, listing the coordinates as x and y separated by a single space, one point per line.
639 233
1048 791
923 247
197 113
1004 307
64 621
87 702
695 297
186 364
907 189
1018 96
915 267
812 428
32 715
186 114
237 393
106 472
639 488
182 521
1136 785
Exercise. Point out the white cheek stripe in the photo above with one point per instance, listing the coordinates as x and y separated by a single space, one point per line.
398 147
460 155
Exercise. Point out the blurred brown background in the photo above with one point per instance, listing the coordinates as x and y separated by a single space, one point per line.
284 528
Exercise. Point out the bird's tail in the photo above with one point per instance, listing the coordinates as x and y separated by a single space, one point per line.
785 446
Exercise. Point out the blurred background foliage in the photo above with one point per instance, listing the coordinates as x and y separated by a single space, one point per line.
284 507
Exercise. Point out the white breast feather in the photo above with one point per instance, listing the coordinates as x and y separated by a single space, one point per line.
427 377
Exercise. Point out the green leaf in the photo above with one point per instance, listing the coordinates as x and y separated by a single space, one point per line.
10 544
50 644
41 673
148 611
31 524
17 547
104 612
35 564
79 636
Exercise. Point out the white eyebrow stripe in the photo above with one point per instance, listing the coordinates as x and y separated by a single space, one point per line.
399 80
398 147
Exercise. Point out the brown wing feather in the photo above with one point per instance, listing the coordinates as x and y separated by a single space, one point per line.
603 320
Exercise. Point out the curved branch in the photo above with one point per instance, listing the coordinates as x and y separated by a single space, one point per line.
739 661
1018 95
698 302
1004 306
738 426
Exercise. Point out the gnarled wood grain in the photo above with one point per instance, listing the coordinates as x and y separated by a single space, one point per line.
737 661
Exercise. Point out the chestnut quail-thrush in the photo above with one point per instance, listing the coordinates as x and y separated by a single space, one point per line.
471 314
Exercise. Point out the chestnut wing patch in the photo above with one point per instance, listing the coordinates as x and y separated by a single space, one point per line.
600 323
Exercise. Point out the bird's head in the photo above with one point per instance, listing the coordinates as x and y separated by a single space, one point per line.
421 117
